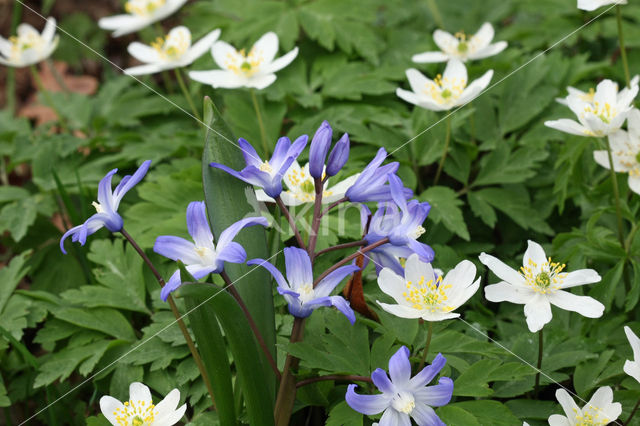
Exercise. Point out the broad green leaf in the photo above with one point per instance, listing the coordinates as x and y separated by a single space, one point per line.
454 415
18 216
107 320
445 208
342 414
504 166
11 275
60 365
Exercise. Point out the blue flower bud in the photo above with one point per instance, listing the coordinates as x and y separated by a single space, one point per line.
339 156
319 149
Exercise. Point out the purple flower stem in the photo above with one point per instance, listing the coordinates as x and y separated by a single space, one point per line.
232 290
334 204
317 216
176 314
348 259
292 223
342 246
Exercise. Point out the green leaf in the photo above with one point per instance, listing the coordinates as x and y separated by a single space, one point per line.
106 320
502 166
11 275
453 415
229 200
250 363
445 208
61 364
18 216
342 414
488 412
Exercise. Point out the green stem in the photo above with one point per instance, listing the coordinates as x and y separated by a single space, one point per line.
187 95
263 133
447 139
632 414
176 314
415 166
437 17
47 96
616 194
287 390
623 51
426 347
539 364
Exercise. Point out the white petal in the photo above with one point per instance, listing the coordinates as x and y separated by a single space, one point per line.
146 69
633 123
580 277
392 284
139 392
430 57
601 404
538 312
415 270
49 30
568 126
263 197
501 270
606 93
401 311
338 190
417 80
568 404
266 47
584 305
200 47
143 53
485 34
632 369
219 78
634 342
455 71
261 81
475 88
109 406
634 183
122 24
280 63
225 55
505 292
558 420
534 256
407 96
491 50
445 41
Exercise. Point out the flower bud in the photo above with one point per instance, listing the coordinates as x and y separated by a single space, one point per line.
339 156
318 150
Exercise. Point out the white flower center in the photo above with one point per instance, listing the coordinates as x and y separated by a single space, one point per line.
306 293
545 278
135 414
143 7
417 232
244 64
629 157
266 167
403 402
604 112
427 295
173 46
588 419
445 90
98 207
207 255
25 41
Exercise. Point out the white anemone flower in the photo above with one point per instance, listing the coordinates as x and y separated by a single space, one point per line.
599 114
539 284
599 411
445 91
173 51
140 409
300 188
632 368
29 47
459 46
140 14
255 69
423 294
625 150
588 96
595 4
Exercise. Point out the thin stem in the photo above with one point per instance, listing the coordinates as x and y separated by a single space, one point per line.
447 139
633 412
623 51
56 75
292 222
187 95
539 364
616 193
342 246
317 217
232 290
334 204
426 347
263 133
176 314
47 96
415 166
347 377
629 238
348 259
287 390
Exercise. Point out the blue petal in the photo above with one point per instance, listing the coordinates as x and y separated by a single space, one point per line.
425 416
171 285
382 382
277 275
105 196
343 306
71 231
366 404
129 182
280 153
339 156
230 233
400 367
328 283
425 252
392 417
198 225
251 157
428 373
396 186
250 178
232 253
297 146
319 149
298 267
438 395
176 248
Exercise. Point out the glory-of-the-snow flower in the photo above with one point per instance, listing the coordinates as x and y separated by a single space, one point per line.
419 293
140 14
173 51
539 284
446 91
202 257
404 397
107 206
298 289
372 183
462 47
255 69
140 409
29 47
